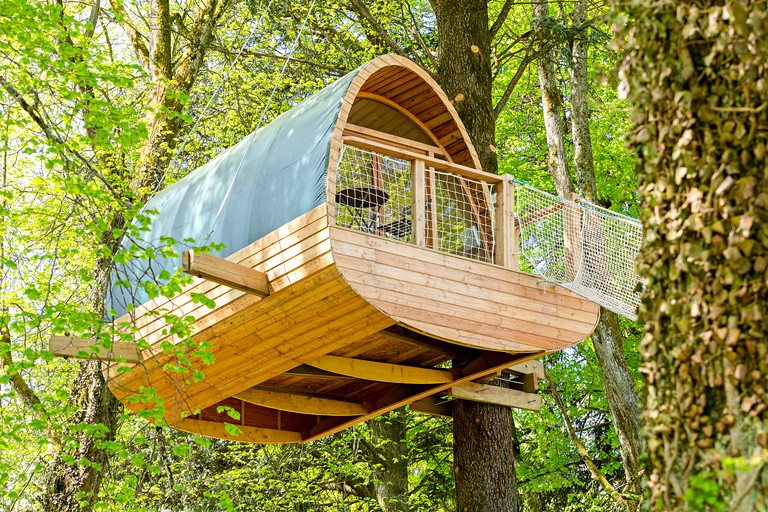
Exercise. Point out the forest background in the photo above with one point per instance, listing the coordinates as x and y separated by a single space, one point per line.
105 103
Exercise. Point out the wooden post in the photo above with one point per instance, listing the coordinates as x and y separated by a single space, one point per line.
572 238
418 204
432 209
507 243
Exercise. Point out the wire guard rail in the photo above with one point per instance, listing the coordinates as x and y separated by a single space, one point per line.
580 246
375 195
571 242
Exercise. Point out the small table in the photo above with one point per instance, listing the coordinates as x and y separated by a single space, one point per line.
358 199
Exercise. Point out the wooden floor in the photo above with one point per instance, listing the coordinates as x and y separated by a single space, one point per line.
354 326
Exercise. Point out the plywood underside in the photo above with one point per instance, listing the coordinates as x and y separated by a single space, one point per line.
332 294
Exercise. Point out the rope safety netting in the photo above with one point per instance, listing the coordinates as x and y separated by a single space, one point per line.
580 246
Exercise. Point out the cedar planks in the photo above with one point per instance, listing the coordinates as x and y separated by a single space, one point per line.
461 300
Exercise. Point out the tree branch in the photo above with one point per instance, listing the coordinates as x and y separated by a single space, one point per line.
139 48
363 11
21 387
501 18
49 133
417 34
512 84
593 469
160 38
332 69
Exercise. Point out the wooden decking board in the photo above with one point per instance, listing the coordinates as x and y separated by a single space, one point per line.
326 282
422 260
452 309
406 308
222 295
504 303
272 359
363 248
202 286
206 325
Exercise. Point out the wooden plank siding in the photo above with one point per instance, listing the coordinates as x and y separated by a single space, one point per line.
461 300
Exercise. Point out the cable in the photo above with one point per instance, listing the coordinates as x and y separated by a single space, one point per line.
261 120
215 93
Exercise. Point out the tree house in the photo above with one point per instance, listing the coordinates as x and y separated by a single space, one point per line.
370 263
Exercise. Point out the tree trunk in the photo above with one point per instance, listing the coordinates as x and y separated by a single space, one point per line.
618 382
552 103
483 456
464 71
390 475
484 463
695 72
72 486
620 395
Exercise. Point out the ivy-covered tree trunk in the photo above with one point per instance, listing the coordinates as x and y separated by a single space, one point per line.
483 458
697 78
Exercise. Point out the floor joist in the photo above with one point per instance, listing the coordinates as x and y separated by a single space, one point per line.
225 272
381 372
303 404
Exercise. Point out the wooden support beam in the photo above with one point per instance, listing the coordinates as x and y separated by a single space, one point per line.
461 170
434 406
533 366
418 203
225 272
310 372
507 245
300 403
247 434
496 395
89 348
381 372
485 361
540 214
405 394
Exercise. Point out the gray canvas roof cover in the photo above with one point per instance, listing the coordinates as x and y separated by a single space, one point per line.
282 171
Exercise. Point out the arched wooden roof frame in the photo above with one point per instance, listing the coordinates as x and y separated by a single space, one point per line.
401 84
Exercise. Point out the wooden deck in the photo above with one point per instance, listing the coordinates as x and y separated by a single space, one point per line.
318 327
354 325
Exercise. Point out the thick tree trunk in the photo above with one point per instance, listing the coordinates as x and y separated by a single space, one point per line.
696 75
618 382
484 463
483 456
74 486
464 72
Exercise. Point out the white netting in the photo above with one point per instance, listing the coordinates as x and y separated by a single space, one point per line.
581 246
463 213
373 195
